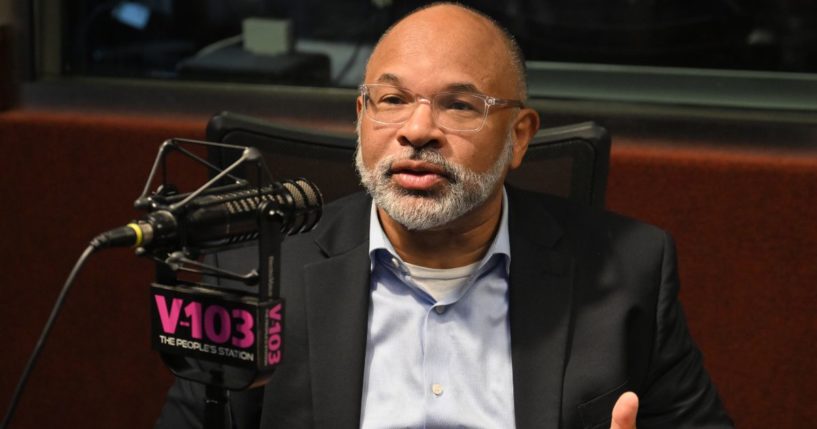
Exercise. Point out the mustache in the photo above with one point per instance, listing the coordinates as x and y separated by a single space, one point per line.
431 156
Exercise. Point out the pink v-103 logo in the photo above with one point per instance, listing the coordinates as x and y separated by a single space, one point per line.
274 335
211 322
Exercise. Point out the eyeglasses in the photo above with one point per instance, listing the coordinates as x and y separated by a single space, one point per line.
456 111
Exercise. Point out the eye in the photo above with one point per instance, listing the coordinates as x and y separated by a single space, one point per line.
461 103
392 99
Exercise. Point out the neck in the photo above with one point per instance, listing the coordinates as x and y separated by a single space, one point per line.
460 242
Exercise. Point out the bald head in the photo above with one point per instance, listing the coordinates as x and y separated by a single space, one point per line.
456 36
438 50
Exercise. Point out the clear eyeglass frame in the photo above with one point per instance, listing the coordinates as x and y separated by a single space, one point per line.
473 122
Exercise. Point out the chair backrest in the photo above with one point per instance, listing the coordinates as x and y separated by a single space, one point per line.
569 161
325 159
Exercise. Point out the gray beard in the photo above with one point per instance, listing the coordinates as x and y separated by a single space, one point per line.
424 210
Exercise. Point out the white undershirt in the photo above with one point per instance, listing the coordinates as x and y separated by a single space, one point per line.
442 283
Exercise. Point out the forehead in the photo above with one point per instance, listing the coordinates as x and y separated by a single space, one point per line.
464 86
443 48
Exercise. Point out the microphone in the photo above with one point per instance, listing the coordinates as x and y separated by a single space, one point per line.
221 220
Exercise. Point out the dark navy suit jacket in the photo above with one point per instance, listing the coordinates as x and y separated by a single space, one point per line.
593 313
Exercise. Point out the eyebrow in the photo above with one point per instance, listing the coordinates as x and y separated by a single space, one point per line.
463 87
392 79
388 78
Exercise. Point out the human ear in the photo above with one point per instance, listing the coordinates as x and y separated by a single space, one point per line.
359 106
524 128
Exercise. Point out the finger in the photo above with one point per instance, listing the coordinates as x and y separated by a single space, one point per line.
624 412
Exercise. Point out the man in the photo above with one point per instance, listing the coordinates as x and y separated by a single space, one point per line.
455 302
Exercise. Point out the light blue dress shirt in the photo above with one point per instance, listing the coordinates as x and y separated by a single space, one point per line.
436 364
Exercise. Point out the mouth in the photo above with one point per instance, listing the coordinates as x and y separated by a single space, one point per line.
418 175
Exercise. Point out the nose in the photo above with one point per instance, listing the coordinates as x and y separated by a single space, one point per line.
420 130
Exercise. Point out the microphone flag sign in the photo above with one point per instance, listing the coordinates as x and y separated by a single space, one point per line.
238 331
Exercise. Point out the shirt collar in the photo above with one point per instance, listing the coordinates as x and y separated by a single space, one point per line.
379 242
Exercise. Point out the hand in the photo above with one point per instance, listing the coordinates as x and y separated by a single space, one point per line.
624 411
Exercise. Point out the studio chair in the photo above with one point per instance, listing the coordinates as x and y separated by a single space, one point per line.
569 161
325 159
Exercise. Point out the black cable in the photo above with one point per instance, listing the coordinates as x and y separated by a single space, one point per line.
32 360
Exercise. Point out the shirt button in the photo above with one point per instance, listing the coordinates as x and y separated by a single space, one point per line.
395 262
437 389
440 309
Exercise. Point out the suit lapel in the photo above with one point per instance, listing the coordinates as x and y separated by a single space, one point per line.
540 295
337 293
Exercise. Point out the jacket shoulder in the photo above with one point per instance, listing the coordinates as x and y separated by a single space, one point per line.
578 218
344 224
